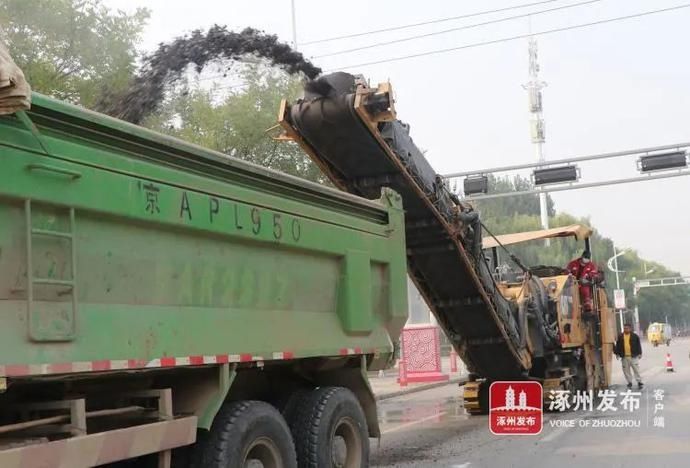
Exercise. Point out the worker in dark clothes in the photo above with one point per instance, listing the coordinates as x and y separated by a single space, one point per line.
629 350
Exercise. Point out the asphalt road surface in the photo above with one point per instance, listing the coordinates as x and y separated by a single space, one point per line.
430 428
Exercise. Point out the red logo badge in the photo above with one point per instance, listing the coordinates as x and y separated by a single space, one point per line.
515 408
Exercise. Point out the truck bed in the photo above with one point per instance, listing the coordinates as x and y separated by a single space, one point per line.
121 248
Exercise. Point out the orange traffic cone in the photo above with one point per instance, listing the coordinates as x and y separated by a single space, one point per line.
669 364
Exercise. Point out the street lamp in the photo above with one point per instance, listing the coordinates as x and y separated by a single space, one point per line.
613 266
636 290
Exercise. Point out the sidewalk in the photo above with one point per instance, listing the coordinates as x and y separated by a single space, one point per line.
387 386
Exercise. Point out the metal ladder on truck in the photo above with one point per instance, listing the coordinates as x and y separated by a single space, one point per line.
52 323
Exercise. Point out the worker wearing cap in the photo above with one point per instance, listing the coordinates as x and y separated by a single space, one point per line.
587 273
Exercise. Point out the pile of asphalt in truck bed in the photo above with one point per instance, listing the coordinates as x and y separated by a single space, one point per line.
170 61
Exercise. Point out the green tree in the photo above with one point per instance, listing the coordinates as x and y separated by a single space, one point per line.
72 49
236 123
655 304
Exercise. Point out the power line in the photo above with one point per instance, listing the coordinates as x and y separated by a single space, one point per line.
439 20
460 28
513 38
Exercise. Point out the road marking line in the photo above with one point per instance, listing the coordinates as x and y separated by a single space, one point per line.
413 423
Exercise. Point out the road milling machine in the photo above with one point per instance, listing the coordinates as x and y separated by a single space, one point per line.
570 348
529 328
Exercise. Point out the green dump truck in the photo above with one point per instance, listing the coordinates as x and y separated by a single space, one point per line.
159 299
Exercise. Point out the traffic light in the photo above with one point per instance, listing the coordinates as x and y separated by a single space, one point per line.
473 185
555 175
659 162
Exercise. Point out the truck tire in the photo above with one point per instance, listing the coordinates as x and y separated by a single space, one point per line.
330 430
291 404
243 431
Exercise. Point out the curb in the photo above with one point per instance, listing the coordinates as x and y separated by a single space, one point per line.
457 380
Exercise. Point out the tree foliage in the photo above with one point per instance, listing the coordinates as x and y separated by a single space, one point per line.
520 214
236 123
72 49
498 208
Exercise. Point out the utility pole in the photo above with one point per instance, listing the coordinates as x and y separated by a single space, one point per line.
613 266
618 283
636 290
537 131
294 25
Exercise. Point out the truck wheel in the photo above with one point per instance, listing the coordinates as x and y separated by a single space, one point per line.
292 403
246 434
330 430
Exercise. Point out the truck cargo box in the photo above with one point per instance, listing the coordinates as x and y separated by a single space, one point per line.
121 248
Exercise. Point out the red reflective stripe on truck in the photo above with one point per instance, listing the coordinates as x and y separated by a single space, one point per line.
136 363
18 370
196 360
100 365
168 361
60 368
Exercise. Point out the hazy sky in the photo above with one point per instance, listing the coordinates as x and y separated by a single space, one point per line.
611 87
